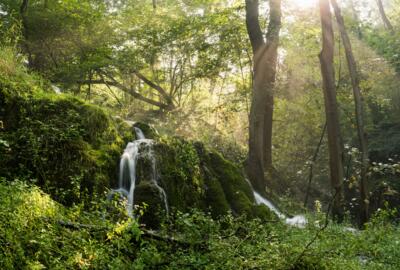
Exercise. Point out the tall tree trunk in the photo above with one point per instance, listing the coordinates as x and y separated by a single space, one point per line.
23 7
385 19
359 111
331 111
274 26
264 72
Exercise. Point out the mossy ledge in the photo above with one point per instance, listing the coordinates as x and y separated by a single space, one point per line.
66 146
196 177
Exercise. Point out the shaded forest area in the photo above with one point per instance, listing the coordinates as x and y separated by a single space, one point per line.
202 134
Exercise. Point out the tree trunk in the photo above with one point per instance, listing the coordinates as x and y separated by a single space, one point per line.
274 27
23 7
359 112
385 19
331 111
264 72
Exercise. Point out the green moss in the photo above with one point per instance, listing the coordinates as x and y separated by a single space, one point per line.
214 196
178 166
234 185
262 212
70 148
149 131
147 193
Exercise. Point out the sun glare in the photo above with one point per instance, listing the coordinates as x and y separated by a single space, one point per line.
304 4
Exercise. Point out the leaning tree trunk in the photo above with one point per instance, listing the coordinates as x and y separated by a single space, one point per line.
386 22
264 70
331 110
359 111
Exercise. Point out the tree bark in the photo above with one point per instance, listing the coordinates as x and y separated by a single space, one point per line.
274 26
264 72
331 110
386 22
24 6
359 112
158 88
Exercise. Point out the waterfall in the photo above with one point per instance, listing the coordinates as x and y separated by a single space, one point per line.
298 221
261 200
56 89
141 148
139 133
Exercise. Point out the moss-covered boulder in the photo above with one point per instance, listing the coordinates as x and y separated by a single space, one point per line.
68 147
149 196
178 167
196 177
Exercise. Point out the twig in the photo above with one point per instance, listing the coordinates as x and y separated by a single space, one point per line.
318 232
314 159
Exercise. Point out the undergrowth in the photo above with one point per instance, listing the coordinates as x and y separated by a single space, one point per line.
38 233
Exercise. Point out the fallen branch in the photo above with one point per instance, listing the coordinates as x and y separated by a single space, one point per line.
149 234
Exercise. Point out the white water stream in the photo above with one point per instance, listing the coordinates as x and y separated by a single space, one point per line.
141 148
56 89
298 221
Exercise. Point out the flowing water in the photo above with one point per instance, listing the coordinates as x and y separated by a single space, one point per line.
56 89
140 149
298 221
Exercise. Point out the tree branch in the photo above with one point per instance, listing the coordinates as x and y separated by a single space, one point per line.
112 82
158 88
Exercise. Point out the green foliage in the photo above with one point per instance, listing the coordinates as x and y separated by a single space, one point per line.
33 235
179 170
386 44
14 76
69 147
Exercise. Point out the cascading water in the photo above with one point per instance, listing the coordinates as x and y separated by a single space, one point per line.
261 200
139 133
56 89
141 148
297 221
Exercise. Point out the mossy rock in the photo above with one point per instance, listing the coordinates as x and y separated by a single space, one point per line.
147 193
263 212
69 147
237 191
179 173
195 177
215 197
149 131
